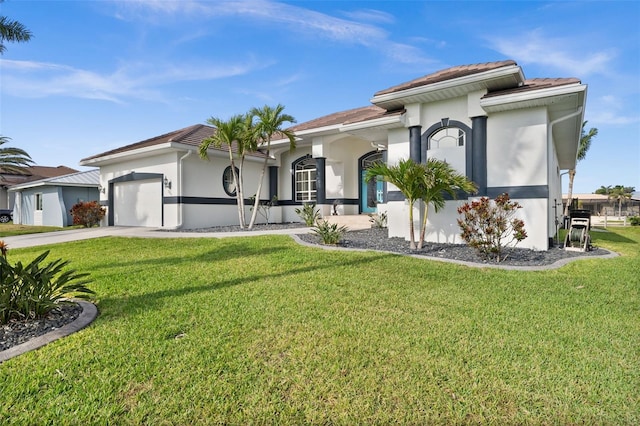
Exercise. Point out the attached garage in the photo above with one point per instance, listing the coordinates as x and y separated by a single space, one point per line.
136 200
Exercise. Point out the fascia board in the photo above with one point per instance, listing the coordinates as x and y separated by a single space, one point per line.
113 158
518 98
447 84
385 122
30 185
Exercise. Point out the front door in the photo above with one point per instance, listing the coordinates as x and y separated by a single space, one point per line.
372 192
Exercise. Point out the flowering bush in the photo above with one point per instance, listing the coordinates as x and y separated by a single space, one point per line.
490 226
87 214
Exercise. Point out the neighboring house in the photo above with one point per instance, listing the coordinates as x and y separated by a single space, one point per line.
506 133
602 205
30 174
48 201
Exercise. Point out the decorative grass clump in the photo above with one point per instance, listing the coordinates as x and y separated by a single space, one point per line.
261 330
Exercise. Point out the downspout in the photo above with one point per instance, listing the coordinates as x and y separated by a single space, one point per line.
180 212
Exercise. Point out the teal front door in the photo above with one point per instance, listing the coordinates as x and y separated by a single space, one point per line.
371 194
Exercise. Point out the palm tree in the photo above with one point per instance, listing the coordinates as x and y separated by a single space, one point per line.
409 177
583 147
441 178
12 31
13 160
270 122
620 193
235 131
604 190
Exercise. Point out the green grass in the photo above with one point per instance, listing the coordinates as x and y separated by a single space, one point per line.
262 331
10 230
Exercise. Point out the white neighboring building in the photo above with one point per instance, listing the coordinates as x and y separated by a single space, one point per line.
48 202
506 133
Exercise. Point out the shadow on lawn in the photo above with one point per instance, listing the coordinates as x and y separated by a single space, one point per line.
598 234
151 300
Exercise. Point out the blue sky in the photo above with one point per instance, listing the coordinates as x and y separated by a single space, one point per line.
102 74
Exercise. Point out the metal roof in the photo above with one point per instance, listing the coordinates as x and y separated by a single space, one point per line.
90 178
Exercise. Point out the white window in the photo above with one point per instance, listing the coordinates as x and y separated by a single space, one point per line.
39 201
447 137
305 180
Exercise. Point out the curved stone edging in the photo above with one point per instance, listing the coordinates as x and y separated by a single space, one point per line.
557 264
88 314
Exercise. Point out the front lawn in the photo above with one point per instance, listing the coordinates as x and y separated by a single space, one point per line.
10 229
263 331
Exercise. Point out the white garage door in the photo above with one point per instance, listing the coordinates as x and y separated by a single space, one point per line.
138 203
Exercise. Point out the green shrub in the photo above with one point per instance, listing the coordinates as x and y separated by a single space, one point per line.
87 214
308 213
329 233
31 291
634 220
490 226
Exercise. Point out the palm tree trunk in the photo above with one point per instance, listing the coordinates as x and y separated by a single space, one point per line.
619 207
236 182
240 194
572 175
256 203
412 238
424 225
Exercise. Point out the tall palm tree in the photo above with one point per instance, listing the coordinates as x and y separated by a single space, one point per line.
233 132
13 160
620 193
269 122
441 178
12 31
583 147
409 177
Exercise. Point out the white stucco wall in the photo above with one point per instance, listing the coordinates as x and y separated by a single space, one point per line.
517 148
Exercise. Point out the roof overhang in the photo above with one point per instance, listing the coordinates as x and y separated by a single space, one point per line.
496 79
565 106
159 149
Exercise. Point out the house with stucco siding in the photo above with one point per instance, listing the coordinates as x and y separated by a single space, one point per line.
503 131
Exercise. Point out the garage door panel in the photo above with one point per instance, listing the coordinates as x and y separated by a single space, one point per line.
138 203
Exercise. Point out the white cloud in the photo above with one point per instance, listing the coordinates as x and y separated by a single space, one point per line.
131 81
292 17
370 15
560 53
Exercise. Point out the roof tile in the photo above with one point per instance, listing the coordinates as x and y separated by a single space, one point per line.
447 74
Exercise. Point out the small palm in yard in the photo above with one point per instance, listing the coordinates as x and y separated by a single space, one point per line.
270 122
441 178
409 177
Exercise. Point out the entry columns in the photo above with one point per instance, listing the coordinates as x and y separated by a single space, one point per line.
415 143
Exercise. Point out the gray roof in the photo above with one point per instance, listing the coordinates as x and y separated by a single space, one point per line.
90 178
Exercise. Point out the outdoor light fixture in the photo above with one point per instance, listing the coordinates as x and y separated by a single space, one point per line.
102 189
167 183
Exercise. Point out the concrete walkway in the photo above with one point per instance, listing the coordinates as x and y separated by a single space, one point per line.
46 238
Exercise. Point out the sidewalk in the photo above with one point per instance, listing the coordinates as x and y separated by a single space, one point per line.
46 238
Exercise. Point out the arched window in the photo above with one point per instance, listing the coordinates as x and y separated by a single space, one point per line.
228 184
448 144
304 170
447 137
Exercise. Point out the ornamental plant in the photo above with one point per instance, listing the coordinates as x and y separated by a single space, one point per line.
308 213
31 291
87 214
329 233
490 225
